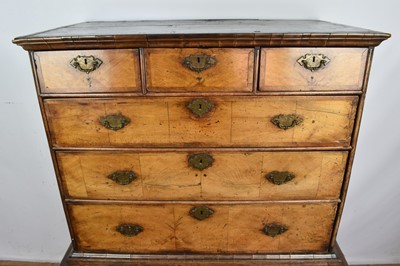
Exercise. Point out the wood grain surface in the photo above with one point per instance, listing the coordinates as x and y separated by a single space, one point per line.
280 71
233 121
232 228
232 176
119 72
233 70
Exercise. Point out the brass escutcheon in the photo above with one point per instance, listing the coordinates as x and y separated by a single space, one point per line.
313 62
123 177
201 212
115 121
279 178
274 229
200 107
286 121
199 62
85 63
129 229
200 161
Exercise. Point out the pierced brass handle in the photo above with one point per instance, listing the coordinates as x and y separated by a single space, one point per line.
115 121
85 63
279 178
129 229
274 229
201 212
200 107
286 121
200 161
313 62
123 177
199 62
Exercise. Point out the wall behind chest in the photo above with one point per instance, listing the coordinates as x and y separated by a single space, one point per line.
32 224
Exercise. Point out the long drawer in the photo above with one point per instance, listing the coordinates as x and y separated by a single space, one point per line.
202 176
239 228
286 121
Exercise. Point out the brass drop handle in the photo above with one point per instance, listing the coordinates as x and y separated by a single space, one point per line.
123 177
129 230
279 178
114 121
200 161
199 62
200 107
286 121
85 63
313 62
201 212
274 229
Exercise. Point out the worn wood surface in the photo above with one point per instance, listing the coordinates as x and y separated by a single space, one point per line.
280 70
119 72
232 176
201 33
233 70
103 262
234 121
232 228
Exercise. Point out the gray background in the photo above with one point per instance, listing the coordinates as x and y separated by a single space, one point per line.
32 224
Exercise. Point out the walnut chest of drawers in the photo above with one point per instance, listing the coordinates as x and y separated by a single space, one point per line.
223 142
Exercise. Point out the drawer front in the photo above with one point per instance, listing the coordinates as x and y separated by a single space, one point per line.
289 228
312 69
219 176
85 71
225 121
199 70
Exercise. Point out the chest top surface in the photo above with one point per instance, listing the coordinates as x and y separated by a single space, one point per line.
201 33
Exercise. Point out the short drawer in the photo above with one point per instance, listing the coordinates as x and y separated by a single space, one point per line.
202 175
199 122
312 69
86 71
199 70
242 228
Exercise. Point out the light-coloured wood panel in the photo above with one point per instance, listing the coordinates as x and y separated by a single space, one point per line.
327 121
280 71
233 70
231 228
232 176
119 72
233 121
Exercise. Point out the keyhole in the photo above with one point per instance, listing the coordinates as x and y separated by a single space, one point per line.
85 61
201 212
200 106
198 60
201 161
313 59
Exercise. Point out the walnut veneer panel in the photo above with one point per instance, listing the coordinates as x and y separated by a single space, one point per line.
118 72
234 121
232 176
232 70
281 71
231 228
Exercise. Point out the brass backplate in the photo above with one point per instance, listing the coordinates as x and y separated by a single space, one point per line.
85 63
123 177
199 62
200 161
201 212
129 229
313 62
200 107
274 229
114 121
286 121
279 177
